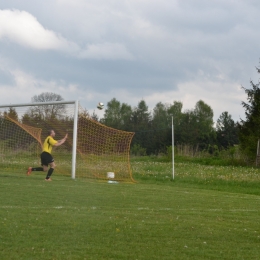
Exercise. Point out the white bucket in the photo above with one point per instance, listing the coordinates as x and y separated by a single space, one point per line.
110 175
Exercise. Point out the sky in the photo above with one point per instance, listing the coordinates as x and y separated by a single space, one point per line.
131 50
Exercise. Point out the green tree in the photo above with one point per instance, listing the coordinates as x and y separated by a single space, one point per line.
160 115
195 126
126 113
249 129
112 115
160 126
12 113
117 115
141 125
189 133
175 113
226 130
141 117
204 122
47 111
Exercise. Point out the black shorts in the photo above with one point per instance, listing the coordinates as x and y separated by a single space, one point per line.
46 158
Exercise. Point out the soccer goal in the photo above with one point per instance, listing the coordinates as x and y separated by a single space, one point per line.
92 150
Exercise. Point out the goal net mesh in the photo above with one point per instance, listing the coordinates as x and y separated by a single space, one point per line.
100 149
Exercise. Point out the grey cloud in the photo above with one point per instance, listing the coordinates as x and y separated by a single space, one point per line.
142 46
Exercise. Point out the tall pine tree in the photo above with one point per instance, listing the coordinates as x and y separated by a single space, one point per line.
249 129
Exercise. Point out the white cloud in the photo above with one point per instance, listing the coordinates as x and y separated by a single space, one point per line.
24 29
26 86
107 51
220 96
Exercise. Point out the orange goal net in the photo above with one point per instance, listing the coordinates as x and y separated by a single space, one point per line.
99 150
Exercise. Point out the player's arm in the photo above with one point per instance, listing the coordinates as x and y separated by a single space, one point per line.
62 141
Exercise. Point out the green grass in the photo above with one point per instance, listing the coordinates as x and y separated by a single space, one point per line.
238 179
205 213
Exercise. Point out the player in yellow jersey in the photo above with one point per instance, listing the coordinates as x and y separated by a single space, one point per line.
46 157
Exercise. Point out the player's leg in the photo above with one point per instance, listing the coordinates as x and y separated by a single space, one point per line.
44 163
31 169
50 171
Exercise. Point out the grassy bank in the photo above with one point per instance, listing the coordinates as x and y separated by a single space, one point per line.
192 173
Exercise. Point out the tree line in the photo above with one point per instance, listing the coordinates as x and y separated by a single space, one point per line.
153 129
194 127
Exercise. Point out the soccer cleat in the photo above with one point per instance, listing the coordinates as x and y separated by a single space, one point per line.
48 179
29 171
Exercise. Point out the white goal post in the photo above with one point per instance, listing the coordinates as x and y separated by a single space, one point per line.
75 124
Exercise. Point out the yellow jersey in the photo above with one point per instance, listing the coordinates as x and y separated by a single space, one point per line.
48 143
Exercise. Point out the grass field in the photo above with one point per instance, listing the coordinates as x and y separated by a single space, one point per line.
205 213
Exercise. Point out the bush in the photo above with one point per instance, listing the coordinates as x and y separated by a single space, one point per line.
137 150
